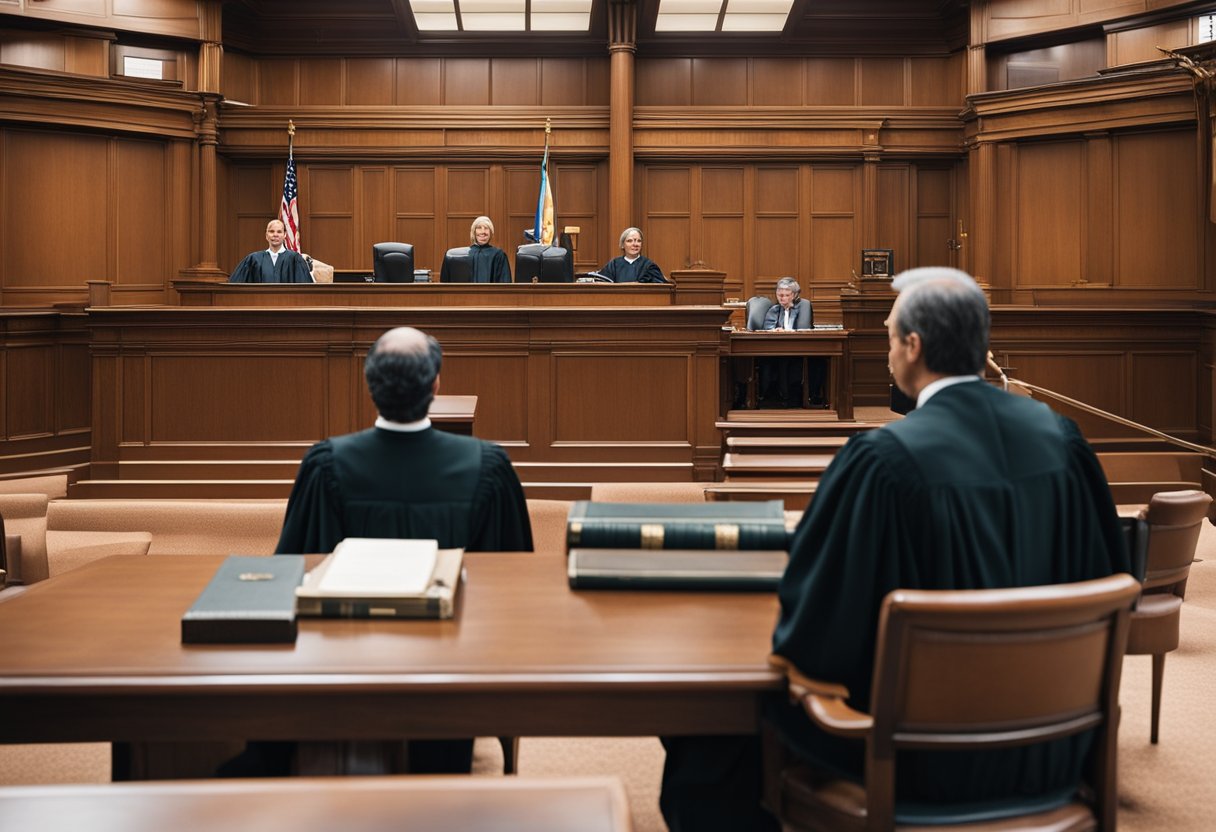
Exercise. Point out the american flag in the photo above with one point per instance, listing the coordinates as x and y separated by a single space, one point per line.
288 212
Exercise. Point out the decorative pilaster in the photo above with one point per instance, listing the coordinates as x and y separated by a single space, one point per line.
622 45
206 130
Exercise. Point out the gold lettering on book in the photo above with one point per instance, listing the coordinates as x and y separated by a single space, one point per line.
575 533
652 536
726 536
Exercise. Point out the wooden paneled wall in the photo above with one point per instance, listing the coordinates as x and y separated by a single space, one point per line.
84 206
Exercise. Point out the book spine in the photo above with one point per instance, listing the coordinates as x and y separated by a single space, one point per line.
612 535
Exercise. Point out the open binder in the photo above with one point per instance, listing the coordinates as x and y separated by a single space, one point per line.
372 578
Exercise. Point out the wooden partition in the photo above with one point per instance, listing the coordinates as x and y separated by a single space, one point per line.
574 394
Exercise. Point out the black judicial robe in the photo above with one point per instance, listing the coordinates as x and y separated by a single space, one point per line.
642 270
458 490
489 264
258 268
977 489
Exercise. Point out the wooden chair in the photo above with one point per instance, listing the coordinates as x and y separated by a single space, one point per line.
970 670
1173 522
648 492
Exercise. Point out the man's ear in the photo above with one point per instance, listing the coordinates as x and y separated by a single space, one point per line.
914 345
435 387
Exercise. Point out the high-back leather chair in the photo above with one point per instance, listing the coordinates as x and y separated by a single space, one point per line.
757 308
971 670
1173 522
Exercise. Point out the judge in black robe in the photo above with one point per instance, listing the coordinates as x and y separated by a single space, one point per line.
975 489
276 264
489 263
400 479
632 267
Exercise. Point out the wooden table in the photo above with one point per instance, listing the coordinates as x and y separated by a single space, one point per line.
355 804
95 655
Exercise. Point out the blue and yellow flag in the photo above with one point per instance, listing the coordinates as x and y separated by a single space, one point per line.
544 231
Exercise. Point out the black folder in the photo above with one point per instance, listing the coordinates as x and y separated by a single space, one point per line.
250 600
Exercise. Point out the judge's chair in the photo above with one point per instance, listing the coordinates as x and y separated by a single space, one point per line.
1173 522
744 369
969 670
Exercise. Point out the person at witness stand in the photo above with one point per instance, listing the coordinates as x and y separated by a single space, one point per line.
277 264
490 263
632 267
782 375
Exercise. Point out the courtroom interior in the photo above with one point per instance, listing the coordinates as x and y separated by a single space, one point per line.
1062 152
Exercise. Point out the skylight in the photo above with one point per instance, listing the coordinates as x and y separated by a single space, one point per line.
722 15
502 15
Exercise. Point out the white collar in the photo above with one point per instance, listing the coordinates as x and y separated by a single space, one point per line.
634 260
933 387
404 427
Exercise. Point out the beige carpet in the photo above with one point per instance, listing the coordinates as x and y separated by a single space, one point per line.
1167 786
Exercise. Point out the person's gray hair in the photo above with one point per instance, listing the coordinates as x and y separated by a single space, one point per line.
626 233
487 222
790 283
949 312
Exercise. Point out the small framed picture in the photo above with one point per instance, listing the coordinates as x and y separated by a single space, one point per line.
876 262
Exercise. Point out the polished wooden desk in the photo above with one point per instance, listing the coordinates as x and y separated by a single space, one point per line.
95 655
832 344
308 804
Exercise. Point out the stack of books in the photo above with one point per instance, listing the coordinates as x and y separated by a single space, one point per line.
723 546
383 578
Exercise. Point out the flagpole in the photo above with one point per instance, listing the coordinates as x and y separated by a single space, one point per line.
288 206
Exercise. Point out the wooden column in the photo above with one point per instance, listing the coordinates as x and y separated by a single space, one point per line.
206 131
982 236
622 35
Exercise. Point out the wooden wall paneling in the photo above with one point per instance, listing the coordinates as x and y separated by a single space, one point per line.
663 82
778 82
896 221
369 81
719 82
723 213
1047 65
468 197
1003 256
73 399
343 206
183 209
132 407
1129 46
1098 232
169 17
498 378
141 189
934 218
598 82
466 81
1095 10
1096 377
515 81
883 82
1159 214
1008 18
252 194
1050 213
934 82
522 186
87 56
835 244
780 236
29 372
595 398
278 81
1164 390
577 205
239 78
419 81
36 50
418 202
55 182
563 82
668 210
321 81
832 82
254 387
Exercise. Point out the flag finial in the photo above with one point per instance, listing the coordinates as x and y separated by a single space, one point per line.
548 126
291 128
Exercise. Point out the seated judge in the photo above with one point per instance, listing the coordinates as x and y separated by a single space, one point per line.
781 376
974 489
490 263
277 264
402 478
632 267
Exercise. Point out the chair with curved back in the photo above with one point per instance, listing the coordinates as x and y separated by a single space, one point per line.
1173 522
969 670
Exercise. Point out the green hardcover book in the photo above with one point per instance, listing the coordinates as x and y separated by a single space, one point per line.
250 600
713 570
743 525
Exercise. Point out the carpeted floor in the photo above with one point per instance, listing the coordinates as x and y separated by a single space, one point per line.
1167 786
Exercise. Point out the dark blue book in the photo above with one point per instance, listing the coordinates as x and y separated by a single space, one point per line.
250 600
689 526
